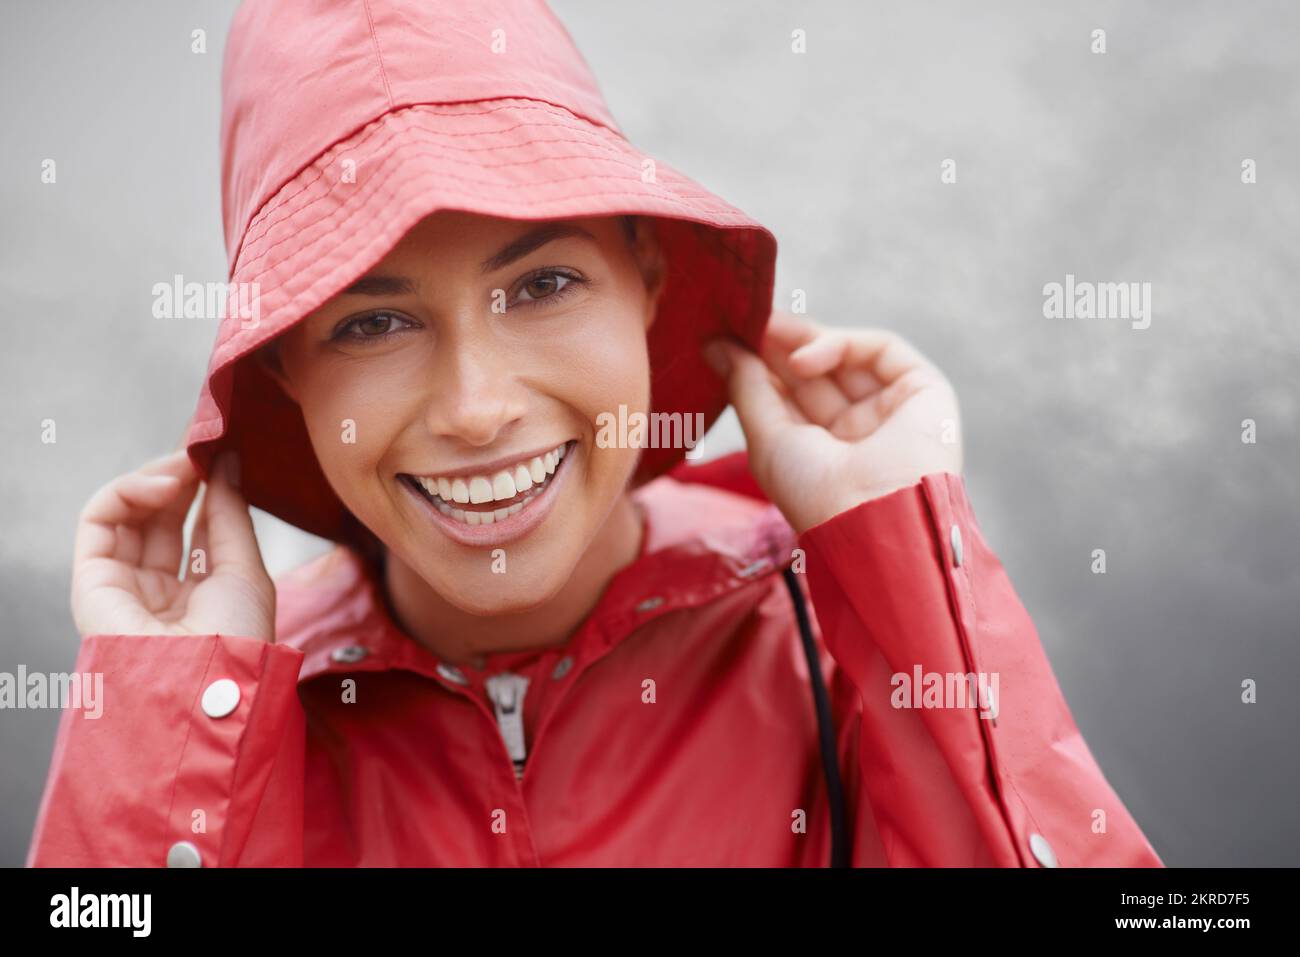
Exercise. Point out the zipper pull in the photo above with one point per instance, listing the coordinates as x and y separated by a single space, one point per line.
507 691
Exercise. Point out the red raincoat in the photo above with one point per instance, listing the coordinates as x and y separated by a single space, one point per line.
676 727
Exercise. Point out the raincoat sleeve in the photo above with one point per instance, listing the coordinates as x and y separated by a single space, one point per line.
157 767
904 587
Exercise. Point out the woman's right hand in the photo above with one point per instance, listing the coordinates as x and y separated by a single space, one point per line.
129 551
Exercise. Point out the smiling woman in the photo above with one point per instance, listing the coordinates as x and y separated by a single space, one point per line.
531 645
436 379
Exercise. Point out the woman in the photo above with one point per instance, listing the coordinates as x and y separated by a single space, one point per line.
532 645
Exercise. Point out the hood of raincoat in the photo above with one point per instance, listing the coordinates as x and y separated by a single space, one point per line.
345 122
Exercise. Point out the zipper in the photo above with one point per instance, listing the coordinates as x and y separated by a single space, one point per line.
506 691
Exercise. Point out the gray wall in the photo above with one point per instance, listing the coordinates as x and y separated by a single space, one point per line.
1080 434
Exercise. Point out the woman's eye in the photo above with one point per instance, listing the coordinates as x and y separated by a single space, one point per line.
546 285
370 328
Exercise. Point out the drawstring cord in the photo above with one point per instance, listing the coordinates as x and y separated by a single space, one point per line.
825 725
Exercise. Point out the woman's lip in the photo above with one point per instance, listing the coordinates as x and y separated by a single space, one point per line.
509 528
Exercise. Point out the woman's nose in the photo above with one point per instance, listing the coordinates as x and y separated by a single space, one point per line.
476 394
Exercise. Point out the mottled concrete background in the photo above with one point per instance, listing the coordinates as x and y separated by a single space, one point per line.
1080 434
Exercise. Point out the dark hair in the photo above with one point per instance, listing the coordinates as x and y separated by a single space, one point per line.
628 222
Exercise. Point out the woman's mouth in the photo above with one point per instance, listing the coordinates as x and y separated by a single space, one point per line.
512 500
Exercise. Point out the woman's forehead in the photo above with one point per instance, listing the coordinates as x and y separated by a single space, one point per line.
472 235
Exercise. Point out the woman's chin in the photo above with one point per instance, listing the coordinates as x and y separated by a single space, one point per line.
493 595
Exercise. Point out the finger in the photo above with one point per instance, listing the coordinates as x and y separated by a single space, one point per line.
788 331
126 501
789 336
754 389
198 540
164 535
111 518
884 354
232 541
176 462
820 398
857 384
821 355
868 415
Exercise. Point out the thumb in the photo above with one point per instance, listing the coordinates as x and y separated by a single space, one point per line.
230 534
753 388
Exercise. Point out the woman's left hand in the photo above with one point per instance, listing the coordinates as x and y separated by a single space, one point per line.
834 418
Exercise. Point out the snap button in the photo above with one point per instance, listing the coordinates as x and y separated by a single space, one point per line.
650 603
183 854
562 667
220 698
453 674
956 546
349 655
1042 851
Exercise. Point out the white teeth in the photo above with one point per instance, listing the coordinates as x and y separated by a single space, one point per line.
503 486
480 490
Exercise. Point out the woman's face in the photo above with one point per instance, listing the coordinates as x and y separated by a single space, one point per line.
452 395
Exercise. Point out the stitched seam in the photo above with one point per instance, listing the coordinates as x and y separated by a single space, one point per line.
397 184
253 713
375 176
429 136
504 191
387 121
1011 781
258 232
379 54
969 649
189 728
370 128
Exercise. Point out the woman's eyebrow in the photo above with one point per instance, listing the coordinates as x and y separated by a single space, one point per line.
379 285
533 239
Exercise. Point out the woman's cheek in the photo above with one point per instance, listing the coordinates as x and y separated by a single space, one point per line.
601 363
348 428
615 372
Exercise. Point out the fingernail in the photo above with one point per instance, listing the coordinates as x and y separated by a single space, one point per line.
716 356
